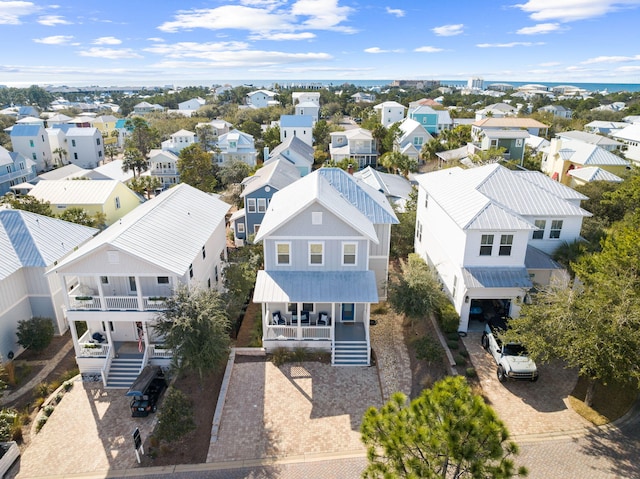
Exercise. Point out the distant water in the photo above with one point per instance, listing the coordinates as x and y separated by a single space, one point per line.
592 87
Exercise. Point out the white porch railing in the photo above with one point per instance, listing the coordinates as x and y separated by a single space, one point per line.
298 333
93 350
84 302
160 353
316 332
122 302
104 372
116 303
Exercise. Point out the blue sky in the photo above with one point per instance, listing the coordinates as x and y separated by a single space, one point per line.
204 42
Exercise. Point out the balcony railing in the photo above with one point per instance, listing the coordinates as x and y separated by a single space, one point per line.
300 334
116 303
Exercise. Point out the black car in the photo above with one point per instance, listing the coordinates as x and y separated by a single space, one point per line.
145 400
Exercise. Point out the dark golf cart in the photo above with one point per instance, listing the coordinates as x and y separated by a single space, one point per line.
146 391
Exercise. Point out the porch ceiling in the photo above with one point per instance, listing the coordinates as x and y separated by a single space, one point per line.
316 287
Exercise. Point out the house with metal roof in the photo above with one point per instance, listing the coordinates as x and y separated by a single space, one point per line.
434 121
30 243
14 170
390 112
482 228
326 254
533 127
603 142
630 136
32 141
257 191
582 176
178 141
300 126
164 166
109 197
296 152
412 137
396 188
564 155
236 145
261 99
85 147
119 281
357 144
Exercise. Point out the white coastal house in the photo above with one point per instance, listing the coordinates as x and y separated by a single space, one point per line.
261 99
357 145
490 231
32 141
390 112
178 141
300 126
236 145
84 147
15 169
326 253
630 136
412 137
118 282
164 166
30 244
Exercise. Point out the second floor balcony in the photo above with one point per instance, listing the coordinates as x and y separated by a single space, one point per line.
120 294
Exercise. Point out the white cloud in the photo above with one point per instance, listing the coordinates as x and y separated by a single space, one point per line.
572 10
395 11
611 59
284 36
182 49
263 17
53 20
155 39
427 49
54 40
509 45
109 53
380 50
539 29
449 30
629 69
550 64
107 41
10 12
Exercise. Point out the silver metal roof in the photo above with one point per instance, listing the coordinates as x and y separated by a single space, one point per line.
489 277
537 259
316 287
594 173
278 174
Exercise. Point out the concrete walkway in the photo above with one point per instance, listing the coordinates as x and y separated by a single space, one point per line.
49 366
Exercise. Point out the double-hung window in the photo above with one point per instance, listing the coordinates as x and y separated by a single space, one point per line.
486 245
349 253
556 228
262 205
283 253
316 256
539 233
506 241
251 205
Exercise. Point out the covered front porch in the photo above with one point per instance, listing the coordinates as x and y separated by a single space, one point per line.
324 310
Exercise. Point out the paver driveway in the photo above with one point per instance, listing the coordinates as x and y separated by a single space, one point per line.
528 407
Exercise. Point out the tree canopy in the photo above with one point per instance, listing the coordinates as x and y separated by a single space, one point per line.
447 432
133 159
196 168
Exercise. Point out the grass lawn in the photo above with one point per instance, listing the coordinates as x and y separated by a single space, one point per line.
610 402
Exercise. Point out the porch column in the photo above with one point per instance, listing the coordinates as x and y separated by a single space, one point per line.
65 296
103 301
299 330
74 336
139 294
145 335
333 321
265 320
107 327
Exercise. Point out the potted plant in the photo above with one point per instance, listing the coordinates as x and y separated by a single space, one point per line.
84 298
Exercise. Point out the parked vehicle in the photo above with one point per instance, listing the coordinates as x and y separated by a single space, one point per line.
511 358
146 391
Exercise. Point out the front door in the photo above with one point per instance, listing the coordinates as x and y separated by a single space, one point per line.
348 312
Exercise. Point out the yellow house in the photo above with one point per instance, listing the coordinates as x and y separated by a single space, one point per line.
564 156
110 197
106 124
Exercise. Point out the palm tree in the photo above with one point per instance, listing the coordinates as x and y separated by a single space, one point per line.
134 160
145 184
62 153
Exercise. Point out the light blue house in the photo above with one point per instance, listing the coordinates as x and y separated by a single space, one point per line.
296 152
14 169
257 191
434 121
326 254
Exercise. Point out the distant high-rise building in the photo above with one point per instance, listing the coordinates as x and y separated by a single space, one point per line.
475 83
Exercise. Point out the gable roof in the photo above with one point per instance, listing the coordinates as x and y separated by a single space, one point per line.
493 197
291 121
26 130
186 218
112 170
278 174
31 240
388 104
594 173
294 144
587 137
509 122
75 192
409 125
589 155
66 171
630 133
391 185
183 132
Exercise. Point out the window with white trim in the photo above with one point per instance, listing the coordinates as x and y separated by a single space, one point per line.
316 254
283 253
506 241
262 205
349 253
486 245
240 227
556 228
539 233
251 205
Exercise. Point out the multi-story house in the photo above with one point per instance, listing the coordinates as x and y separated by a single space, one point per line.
357 145
108 197
214 130
603 142
434 121
300 126
630 136
14 170
412 137
257 191
558 111
31 243
118 282
32 141
489 232
307 103
85 147
390 112
107 125
191 105
294 151
326 254
511 141
531 126
261 99
178 141
164 165
236 145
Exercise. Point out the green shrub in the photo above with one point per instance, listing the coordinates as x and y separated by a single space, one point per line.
448 318
464 353
41 422
460 360
7 420
35 333
81 327
67 385
42 390
176 416
280 356
471 372
48 410
453 344
453 336
299 355
380 309
428 349
255 340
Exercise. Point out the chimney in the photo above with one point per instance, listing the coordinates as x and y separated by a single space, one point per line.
350 169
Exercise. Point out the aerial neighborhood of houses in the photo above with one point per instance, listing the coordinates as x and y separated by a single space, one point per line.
322 196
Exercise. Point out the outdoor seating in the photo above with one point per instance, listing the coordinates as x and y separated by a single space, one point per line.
323 319
278 319
304 318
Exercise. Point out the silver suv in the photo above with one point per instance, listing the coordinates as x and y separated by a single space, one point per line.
511 358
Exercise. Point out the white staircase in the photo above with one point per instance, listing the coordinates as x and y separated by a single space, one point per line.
350 353
123 372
